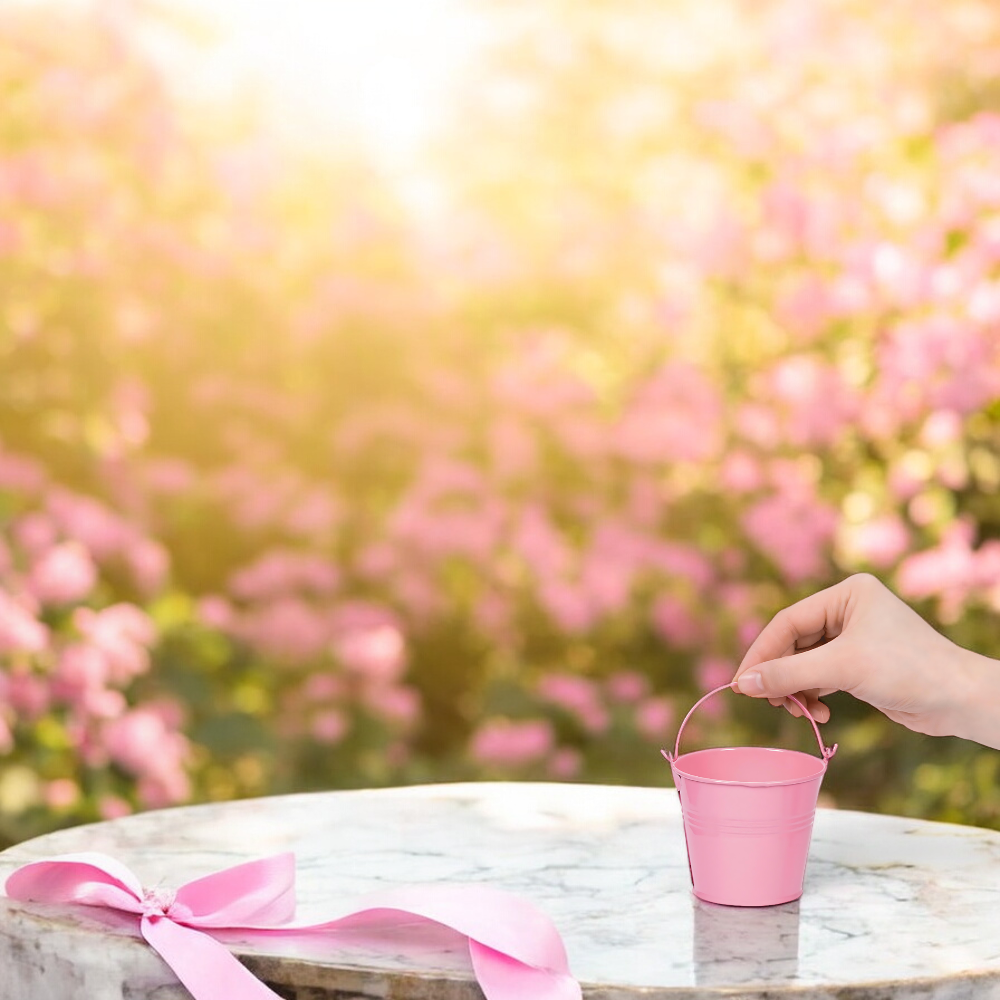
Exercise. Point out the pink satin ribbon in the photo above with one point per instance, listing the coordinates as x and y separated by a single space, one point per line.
516 951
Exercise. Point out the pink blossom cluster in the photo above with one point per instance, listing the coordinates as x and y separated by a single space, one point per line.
69 660
507 489
342 656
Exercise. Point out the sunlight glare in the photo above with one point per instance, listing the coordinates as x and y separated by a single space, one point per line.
375 71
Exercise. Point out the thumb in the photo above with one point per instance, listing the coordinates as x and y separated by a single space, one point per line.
822 667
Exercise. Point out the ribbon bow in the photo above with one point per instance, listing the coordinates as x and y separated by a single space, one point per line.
515 949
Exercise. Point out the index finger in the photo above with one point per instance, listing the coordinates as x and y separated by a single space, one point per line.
821 615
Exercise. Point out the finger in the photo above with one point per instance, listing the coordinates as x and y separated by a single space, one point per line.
830 667
816 708
821 615
819 711
810 640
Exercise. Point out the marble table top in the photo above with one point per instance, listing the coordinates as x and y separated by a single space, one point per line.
892 907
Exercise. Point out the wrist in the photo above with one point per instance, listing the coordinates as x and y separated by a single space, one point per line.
976 712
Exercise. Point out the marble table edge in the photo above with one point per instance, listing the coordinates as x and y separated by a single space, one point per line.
443 986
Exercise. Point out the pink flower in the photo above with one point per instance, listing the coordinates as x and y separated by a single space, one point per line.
653 718
713 672
444 477
377 652
289 629
141 742
538 382
806 307
879 542
330 726
263 505
368 640
937 363
905 482
540 544
682 561
216 612
568 605
949 571
941 428
578 696
322 687
736 597
794 531
80 667
34 533
816 402
733 560
89 522
396 704
606 582
583 436
64 574
113 807
493 615
740 472
10 239
123 634
564 764
315 515
418 594
20 475
20 631
759 424
747 630
645 503
27 694
284 571
130 405
166 788
674 416
102 704
674 622
513 449
437 530
61 794
149 562
627 686
795 220
505 743
719 246
377 560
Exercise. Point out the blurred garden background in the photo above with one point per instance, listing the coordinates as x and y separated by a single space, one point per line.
396 392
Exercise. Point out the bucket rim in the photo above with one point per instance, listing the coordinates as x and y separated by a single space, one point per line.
822 761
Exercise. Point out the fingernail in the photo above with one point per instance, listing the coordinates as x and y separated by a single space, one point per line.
751 682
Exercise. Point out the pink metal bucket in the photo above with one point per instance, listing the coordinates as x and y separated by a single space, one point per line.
748 816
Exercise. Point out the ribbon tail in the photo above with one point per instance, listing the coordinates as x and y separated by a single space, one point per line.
202 964
504 978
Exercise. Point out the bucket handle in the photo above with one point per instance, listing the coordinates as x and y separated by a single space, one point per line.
826 751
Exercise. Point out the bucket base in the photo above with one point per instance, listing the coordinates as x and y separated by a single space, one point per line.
728 902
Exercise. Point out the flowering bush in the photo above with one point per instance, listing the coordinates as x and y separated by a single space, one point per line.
298 491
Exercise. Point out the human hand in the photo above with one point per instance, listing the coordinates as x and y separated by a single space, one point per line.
857 636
